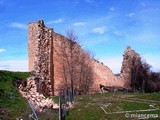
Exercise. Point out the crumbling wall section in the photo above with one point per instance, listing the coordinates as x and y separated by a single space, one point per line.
103 75
40 50
45 60
127 65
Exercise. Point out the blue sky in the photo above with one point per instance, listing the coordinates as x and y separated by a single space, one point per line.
105 27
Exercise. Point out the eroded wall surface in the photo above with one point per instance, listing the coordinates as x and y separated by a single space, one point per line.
40 46
45 60
127 65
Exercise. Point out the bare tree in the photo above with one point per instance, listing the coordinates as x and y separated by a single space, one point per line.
76 65
85 72
140 74
142 78
73 56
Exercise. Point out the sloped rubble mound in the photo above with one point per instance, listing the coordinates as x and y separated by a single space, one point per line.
38 101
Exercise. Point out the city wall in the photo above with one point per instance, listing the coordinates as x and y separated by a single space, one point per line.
45 62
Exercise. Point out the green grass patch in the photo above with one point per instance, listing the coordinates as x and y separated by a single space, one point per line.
12 104
148 96
87 107
55 99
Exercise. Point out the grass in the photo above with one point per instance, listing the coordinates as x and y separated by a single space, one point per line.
12 104
88 107
85 109
55 99
149 96
48 115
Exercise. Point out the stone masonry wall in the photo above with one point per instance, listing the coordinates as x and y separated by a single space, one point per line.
128 56
101 73
40 45
32 44
57 62
58 57
45 61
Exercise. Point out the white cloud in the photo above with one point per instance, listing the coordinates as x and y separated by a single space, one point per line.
113 62
131 14
79 24
112 9
2 50
18 25
99 30
60 20
14 65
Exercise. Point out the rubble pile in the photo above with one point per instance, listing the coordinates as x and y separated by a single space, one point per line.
38 101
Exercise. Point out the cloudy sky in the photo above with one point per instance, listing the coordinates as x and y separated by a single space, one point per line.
105 27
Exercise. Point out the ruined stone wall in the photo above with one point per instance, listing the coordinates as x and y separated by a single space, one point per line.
61 68
103 75
57 62
128 57
32 44
40 46
45 60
